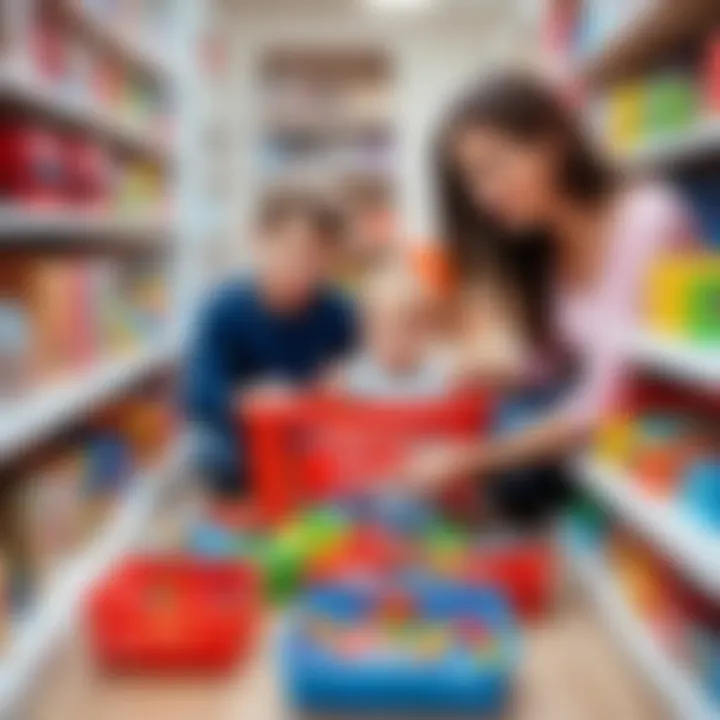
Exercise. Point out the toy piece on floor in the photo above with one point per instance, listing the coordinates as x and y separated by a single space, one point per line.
430 648
283 557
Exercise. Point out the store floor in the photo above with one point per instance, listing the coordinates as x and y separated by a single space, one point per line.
572 671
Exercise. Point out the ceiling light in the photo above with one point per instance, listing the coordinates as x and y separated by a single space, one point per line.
399 5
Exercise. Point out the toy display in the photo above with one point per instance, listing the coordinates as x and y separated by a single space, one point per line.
684 623
670 453
45 168
407 649
683 293
661 104
74 67
32 165
76 311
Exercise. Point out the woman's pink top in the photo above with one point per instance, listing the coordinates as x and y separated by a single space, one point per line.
596 324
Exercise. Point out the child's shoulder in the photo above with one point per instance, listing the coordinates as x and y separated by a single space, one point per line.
233 297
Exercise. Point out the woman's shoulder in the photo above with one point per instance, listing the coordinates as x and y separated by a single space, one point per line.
651 202
654 216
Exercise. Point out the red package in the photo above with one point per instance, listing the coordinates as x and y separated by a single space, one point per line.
90 174
32 165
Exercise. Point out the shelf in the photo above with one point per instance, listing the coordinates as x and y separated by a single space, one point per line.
695 552
19 226
118 41
686 698
27 421
681 360
26 92
40 632
696 142
662 28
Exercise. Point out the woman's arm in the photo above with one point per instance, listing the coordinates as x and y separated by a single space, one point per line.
555 435
652 228
490 351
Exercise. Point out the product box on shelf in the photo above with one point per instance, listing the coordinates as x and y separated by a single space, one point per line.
683 296
51 509
90 174
32 165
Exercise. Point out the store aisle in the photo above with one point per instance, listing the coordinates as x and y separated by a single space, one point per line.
572 672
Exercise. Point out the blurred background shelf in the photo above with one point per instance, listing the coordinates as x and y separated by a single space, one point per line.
17 89
696 552
685 698
671 148
29 420
678 359
120 41
44 626
662 27
18 226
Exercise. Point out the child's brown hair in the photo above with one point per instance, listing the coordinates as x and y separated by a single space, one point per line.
282 205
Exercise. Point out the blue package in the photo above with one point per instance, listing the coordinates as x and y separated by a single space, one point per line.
109 465
451 683
700 493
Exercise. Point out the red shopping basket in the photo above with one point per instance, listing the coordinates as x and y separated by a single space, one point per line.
173 615
525 570
309 448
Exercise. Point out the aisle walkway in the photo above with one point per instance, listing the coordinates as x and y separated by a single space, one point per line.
572 672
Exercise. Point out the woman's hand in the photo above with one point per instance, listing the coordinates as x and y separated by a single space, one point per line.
431 468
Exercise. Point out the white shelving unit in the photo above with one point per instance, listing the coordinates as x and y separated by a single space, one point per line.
684 697
693 142
121 41
680 360
29 420
19 226
56 611
697 553
21 89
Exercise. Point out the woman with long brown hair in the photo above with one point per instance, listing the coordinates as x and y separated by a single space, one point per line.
528 200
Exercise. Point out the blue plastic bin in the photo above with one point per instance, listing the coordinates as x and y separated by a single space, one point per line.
455 683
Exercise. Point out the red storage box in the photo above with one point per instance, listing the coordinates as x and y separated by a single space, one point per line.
174 615
310 448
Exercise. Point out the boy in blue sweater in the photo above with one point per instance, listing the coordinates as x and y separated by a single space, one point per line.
283 325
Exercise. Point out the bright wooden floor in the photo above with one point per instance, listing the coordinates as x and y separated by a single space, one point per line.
572 671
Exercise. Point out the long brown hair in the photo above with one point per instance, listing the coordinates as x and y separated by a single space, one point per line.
523 107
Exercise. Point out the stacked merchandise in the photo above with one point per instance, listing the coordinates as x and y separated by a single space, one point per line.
45 168
67 491
394 607
63 313
656 106
667 102
60 57
145 21
681 621
327 119
683 297
671 452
